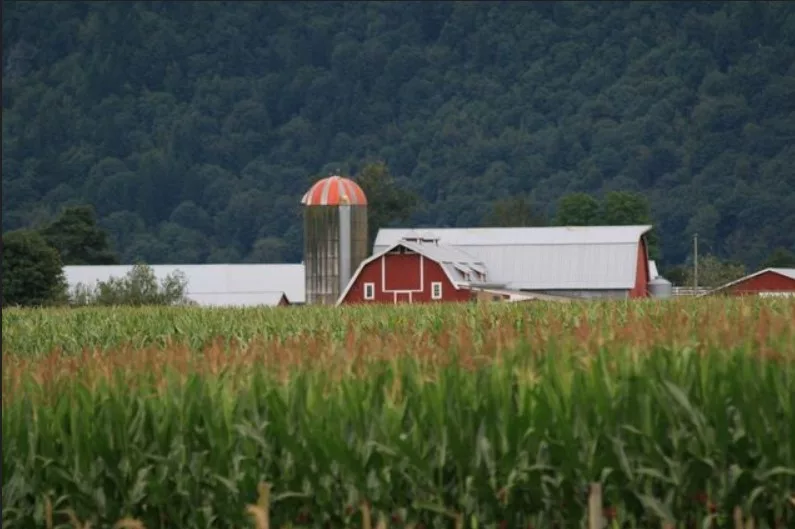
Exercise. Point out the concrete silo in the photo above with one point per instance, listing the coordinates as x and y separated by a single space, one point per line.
335 237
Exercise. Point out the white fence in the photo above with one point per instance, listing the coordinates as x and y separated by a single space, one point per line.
689 291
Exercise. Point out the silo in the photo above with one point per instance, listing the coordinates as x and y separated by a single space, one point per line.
335 237
660 288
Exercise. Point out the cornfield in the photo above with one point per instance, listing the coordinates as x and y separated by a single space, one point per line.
466 416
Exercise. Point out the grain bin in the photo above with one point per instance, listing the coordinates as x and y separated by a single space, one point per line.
660 288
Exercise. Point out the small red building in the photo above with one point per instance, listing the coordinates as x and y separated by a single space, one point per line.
767 282
415 271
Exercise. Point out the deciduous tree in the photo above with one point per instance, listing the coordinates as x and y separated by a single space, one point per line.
32 271
780 258
78 239
514 211
578 209
138 287
387 203
713 272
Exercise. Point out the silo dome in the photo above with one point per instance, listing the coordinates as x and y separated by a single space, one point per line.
334 191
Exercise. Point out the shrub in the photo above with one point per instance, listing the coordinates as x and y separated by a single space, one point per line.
138 288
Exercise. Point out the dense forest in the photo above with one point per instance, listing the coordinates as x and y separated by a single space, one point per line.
193 128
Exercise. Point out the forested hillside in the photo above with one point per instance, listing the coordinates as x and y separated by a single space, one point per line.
194 127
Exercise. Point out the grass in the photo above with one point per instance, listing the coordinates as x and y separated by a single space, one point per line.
499 414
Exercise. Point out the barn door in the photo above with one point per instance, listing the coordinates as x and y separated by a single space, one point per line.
402 297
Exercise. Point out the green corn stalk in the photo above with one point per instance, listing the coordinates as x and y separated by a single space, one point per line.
680 427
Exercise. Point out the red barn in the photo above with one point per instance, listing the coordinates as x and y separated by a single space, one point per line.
415 271
767 282
448 264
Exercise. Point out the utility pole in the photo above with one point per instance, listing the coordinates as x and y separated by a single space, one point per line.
695 263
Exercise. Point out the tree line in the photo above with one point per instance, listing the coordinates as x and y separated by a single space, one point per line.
33 258
33 261
193 128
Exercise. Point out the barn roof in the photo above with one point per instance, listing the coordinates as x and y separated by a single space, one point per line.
214 284
555 235
786 272
548 258
455 263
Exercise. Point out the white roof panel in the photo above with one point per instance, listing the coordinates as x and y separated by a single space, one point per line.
556 235
602 266
212 282
455 262
572 258
442 253
786 272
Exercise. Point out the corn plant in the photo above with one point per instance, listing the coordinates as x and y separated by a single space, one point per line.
478 416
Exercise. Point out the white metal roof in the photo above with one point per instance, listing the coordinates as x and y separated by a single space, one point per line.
555 235
786 272
549 258
214 284
456 263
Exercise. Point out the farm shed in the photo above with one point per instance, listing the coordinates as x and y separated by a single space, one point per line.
767 282
415 271
569 261
236 285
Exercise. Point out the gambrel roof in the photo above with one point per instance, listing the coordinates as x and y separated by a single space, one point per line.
548 258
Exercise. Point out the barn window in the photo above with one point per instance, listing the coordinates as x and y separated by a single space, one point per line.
369 291
436 290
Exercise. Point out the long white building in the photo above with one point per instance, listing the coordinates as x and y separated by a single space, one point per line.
214 284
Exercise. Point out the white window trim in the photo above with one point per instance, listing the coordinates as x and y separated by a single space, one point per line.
433 290
370 286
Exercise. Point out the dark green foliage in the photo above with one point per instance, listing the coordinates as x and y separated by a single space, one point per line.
578 209
78 239
622 208
514 211
387 202
193 127
678 275
619 208
713 273
32 271
780 258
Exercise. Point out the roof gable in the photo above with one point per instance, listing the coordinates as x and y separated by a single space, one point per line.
786 272
459 266
455 263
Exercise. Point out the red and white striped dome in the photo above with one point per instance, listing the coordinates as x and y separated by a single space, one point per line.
334 191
